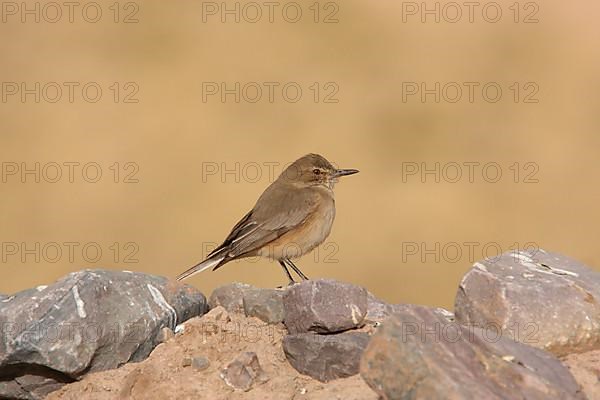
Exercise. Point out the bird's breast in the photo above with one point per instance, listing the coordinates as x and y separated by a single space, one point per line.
308 235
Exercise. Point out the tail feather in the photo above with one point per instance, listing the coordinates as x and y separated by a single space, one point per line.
206 264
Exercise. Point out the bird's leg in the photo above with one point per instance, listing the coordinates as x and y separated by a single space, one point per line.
287 272
293 266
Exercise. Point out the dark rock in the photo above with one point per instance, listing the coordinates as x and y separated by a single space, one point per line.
85 322
265 304
230 297
201 363
325 357
418 354
10 389
324 306
243 372
539 298
30 382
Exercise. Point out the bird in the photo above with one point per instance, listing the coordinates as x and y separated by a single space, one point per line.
292 216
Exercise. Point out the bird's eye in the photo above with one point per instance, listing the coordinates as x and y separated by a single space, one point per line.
316 171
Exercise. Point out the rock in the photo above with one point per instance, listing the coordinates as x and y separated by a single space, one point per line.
217 315
243 372
325 357
200 363
230 297
265 304
585 368
162 377
324 306
165 334
378 310
88 321
31 384
542 299
418 354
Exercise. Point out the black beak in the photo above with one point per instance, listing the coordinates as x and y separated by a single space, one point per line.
344 172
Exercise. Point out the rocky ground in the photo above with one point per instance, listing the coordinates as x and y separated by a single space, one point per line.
525 326
190 364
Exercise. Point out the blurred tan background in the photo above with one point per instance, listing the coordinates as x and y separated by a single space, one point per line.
177 146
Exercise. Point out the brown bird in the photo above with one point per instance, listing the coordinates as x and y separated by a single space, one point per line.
292 216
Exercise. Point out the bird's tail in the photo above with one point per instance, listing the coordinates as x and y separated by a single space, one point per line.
210 262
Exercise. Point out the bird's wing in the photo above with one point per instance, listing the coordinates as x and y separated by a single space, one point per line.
277 211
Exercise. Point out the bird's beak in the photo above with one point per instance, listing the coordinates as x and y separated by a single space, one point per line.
343 172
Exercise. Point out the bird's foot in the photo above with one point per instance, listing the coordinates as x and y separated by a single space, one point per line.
290 284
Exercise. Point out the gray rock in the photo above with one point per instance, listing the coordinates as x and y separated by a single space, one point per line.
325 357
265 304
200 363
378 310
418 354
88 321
230 297
324 306
539 298
243 372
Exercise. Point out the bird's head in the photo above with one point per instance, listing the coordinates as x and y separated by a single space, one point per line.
314 170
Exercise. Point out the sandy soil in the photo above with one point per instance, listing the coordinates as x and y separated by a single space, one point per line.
585 367
220 337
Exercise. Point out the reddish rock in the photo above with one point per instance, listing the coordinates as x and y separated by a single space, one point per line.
325 357
324 306
418 354
539 298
